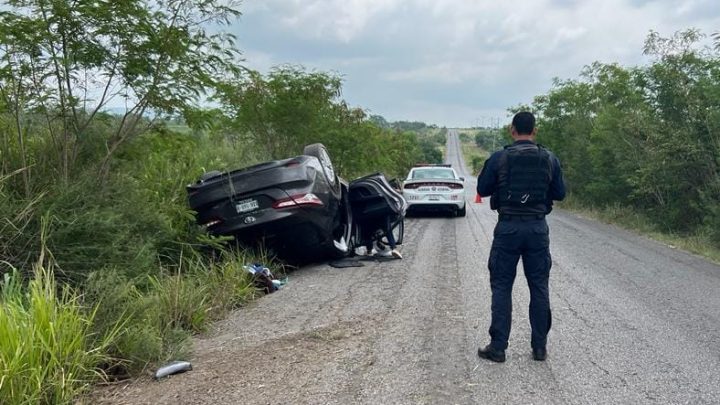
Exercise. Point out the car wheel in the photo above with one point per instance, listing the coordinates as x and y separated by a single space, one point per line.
341 243
462 211
319 151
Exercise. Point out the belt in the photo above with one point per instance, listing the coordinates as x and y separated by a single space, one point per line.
525 217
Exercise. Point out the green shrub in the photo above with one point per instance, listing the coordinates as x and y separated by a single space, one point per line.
183 301
142 341
477 164
48 354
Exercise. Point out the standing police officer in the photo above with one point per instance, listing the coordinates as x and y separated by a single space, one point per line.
523 179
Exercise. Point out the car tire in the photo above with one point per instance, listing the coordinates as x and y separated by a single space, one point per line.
462 211
319 151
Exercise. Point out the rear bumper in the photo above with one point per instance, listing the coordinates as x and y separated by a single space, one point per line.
289 226
452 200
433 207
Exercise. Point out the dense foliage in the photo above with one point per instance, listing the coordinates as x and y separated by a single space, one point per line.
644 137
288 108
491 139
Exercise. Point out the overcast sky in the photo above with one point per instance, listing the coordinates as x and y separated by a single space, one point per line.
456 62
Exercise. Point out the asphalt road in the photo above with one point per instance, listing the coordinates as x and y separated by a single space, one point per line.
634 322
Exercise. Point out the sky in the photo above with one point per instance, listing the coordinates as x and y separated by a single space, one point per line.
456 63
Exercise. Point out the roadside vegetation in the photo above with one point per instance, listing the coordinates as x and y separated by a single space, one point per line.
478 143
431 139
103 273
640 146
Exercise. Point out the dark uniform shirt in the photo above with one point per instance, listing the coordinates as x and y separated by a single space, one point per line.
488 179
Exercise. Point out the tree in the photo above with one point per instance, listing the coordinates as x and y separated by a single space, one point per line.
65 62
644 137
380 121
291 107
285 110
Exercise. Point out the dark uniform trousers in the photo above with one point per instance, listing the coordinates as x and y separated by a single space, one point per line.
513 239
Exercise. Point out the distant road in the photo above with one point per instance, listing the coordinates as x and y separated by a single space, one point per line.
634 322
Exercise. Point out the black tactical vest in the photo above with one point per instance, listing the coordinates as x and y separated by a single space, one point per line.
524 176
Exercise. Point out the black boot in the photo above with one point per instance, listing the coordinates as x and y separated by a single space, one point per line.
491 354
539 354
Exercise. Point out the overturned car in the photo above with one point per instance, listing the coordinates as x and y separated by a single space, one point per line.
297 207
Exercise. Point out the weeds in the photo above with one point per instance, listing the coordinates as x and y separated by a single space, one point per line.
48 354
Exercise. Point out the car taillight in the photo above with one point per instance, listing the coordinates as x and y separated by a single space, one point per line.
455 186
411 186
295 200
292 163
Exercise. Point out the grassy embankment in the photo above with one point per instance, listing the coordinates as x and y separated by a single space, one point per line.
132 277
474 155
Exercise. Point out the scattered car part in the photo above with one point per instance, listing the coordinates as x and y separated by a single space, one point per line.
372 198
173 368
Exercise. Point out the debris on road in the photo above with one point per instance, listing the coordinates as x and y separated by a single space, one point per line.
264 279
173 368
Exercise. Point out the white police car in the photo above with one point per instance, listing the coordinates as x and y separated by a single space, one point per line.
435 188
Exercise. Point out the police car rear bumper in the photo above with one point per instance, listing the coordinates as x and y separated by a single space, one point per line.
453 200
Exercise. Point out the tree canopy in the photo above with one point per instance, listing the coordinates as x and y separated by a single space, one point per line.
647 137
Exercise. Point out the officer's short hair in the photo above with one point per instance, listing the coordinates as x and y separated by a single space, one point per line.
524 122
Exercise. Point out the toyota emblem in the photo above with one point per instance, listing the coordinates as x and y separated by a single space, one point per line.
249 220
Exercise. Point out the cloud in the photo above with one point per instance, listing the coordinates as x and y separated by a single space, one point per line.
406 59
342 20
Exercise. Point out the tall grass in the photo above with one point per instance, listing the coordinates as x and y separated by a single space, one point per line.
231 285
163 310
201 290
48 354
474 156
183 302
52 346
